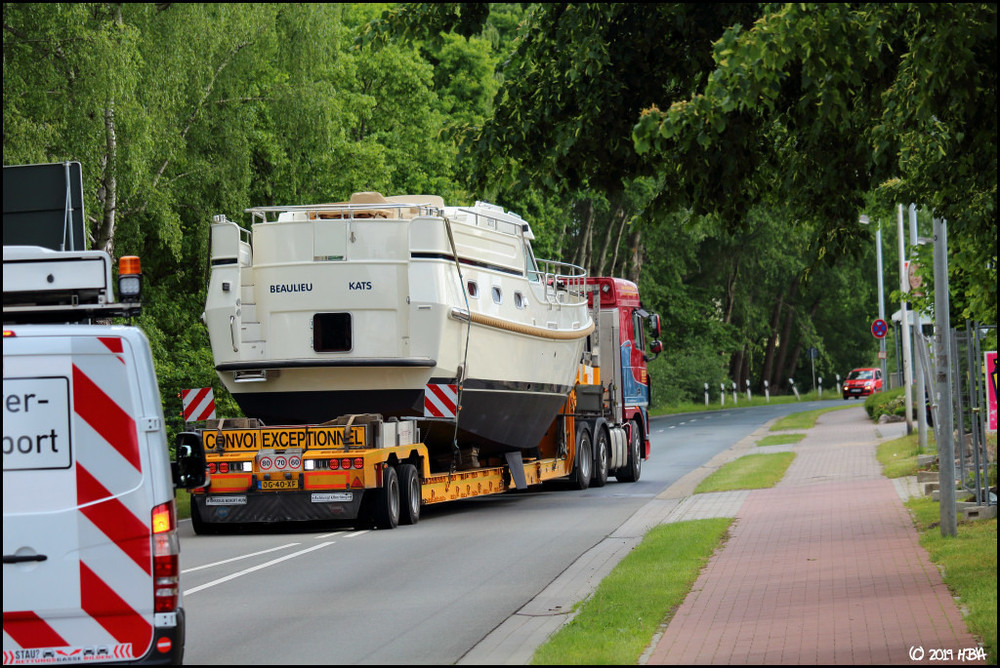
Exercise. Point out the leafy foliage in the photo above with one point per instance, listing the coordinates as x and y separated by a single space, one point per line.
717 154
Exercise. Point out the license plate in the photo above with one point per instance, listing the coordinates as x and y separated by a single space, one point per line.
279 484
855 390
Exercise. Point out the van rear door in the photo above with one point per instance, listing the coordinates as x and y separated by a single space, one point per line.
77 498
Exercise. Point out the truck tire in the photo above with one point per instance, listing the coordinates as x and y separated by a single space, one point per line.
387 500
602 452
201 527
409 494
584 458
633 465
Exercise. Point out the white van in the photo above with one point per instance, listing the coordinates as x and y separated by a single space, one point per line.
90 544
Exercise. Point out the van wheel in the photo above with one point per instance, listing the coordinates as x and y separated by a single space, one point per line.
633 464
602 447
409 494
387 500
584 458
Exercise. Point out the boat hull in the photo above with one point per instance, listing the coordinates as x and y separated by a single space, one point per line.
495 416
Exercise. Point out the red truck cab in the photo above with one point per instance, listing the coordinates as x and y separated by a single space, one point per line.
620 331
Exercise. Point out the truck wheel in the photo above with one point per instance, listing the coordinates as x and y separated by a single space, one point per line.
584 458
409 494
201 527
633 465
387 500
602 447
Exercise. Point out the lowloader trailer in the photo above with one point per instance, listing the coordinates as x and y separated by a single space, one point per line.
374 471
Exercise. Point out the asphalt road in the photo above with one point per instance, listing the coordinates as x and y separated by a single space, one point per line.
423 594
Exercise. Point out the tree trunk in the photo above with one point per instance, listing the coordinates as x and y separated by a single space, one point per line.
618 215
108 195
785 340
637 255
772 341
582 255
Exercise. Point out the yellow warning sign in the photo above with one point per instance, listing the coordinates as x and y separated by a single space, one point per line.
282 438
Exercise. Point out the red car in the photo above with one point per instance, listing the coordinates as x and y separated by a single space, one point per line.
862 382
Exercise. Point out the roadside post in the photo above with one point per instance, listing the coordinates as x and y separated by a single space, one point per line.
767 393
706 394
748 389
795 389
722 394
734 394
821 387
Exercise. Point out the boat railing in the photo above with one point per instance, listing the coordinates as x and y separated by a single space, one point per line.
563 284
230 243
500 221
346 211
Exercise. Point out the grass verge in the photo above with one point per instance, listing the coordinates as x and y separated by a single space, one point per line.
617 623
780 439
804 419
183 498
968 561
748 472
741 402
968 564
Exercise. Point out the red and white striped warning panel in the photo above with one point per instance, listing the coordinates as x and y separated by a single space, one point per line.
199 404
90 599
440 400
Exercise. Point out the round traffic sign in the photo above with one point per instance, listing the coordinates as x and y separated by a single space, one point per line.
879 328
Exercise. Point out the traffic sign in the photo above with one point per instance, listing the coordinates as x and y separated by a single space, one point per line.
879 328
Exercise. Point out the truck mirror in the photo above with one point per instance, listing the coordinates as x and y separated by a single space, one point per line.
189 470
654 322
656 347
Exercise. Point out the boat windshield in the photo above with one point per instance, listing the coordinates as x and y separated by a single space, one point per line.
532 264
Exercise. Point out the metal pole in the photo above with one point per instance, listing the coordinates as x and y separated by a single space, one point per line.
942 390
904 287
881 300
921 387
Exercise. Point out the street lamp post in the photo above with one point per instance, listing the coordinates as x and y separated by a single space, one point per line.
864 220
904 287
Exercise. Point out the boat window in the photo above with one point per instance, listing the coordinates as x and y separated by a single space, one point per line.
519 300
332 332
473 289
497 294
531 264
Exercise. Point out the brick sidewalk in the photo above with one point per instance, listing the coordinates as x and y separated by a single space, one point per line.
824 568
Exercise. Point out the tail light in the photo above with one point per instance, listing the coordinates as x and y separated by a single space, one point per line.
166 558
224 467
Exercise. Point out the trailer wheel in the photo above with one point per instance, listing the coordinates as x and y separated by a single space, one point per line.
200 526
602 447
633 464
584 458
409 494
387 500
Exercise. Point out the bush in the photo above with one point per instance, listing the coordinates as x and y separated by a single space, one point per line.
890 402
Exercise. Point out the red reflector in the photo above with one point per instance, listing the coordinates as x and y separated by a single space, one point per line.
163 645
345 463
224 467
211 467
359 462
334 464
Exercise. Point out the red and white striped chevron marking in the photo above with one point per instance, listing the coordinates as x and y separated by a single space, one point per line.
113 575
199 404
440 400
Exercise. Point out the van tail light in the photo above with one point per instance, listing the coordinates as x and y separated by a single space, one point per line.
166 558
